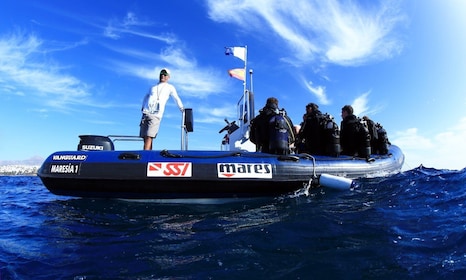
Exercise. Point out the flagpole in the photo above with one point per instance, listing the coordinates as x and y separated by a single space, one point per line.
245 93
245 67
251 96
241 52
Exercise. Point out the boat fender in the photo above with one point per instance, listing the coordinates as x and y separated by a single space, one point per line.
335 182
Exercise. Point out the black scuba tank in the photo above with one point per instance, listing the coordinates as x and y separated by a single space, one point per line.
278 135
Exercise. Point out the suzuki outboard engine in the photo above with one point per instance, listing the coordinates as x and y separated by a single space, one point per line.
95 143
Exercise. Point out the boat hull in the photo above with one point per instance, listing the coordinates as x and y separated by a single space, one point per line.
198 174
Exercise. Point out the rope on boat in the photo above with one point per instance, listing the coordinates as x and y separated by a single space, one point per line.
312 180
166 153
292 157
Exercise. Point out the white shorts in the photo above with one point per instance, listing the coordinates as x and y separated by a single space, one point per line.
149 126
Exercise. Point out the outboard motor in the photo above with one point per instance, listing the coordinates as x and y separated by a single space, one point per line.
95 143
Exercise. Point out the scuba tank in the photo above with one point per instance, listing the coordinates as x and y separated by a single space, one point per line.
278 135
382 141
365 141
331 137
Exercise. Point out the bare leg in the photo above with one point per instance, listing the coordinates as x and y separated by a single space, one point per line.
147 143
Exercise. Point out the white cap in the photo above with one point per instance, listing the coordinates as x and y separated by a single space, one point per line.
165 70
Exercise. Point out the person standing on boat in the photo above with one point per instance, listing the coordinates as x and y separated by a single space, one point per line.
153 106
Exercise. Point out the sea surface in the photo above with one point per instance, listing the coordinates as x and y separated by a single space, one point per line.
407 226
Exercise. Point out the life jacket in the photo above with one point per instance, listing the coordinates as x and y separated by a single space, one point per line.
278 135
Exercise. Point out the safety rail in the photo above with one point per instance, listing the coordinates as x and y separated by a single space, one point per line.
100 143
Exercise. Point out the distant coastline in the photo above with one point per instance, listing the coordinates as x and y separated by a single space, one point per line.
18 169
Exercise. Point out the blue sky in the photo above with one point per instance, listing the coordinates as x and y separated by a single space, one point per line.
82 67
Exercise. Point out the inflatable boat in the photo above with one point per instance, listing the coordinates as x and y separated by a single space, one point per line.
199 174
97 169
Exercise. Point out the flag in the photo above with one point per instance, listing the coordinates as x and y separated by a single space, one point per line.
239 52
237 73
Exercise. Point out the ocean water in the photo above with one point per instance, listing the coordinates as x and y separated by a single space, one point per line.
407 226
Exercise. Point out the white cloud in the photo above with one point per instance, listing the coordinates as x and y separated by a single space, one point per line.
186 74
444 150
216 115
132 25
361 106
318 91
25 72
319 32
358 34
331 31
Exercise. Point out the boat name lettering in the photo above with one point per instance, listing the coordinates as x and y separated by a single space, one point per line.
64 168
244 170
92 147
169 169
69 157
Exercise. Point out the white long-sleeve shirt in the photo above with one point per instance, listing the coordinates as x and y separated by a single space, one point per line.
154 101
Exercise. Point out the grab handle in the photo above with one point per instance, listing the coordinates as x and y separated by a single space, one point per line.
130 156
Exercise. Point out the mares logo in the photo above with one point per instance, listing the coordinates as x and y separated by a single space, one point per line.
244 170
169 169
